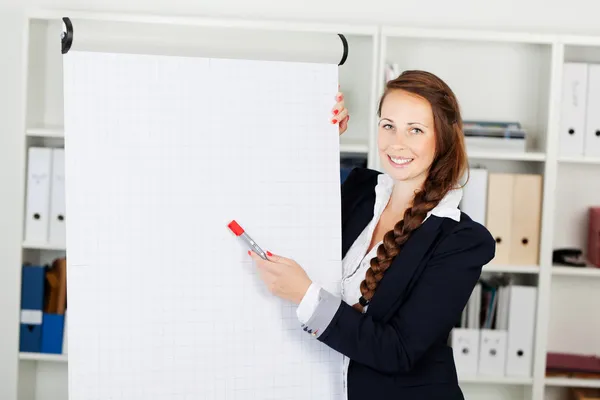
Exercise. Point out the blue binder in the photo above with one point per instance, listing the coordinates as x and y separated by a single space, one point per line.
32 305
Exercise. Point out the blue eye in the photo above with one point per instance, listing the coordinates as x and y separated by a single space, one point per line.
387 126
416 130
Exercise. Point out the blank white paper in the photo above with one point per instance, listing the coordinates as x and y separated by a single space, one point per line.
161 154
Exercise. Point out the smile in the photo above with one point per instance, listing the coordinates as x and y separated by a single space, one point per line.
400 161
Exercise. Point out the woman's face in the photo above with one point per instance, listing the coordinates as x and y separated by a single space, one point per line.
406 138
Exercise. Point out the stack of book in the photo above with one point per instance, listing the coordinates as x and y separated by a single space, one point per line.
491 135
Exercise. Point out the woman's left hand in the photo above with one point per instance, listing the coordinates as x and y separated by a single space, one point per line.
283 276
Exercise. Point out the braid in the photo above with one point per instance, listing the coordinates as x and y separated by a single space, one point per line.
393 241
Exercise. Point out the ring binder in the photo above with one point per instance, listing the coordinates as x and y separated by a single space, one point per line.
66 38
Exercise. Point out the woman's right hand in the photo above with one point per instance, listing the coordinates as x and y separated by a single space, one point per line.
340 113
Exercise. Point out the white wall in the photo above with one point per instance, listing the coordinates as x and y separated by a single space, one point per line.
551 14
537 15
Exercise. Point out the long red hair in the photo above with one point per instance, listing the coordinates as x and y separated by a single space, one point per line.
448 167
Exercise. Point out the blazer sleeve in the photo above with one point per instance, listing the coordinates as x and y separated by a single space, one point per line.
430 311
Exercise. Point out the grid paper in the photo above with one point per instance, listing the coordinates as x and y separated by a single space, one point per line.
161 153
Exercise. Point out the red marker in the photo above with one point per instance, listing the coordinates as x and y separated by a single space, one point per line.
239 232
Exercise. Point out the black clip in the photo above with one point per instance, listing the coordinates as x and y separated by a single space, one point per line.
345 43
66 36
571 257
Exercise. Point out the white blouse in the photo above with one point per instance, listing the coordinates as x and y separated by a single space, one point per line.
356 263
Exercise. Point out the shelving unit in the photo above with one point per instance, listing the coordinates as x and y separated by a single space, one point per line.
496 76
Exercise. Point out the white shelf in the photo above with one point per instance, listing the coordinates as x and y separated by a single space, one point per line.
497 380
354 148
509 59
579 160
589 271
43 357
512 156
468 35
512 269
46 132
43 246
572 382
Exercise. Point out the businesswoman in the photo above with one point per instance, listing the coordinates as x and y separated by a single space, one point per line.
411 258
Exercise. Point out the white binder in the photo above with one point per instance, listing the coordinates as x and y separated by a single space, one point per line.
57 199
466 339
492 352
493 347
573 109
592 126
465 348
38 194
474 200
521 323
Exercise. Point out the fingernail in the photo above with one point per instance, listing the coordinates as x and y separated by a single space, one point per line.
269 253
334 121
335 112
249 253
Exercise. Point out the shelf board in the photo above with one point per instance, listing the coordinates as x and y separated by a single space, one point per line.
470 35
572 382
497 380
579 160
43 246
46 132
43 357
512 269
502 155
354 147
589 271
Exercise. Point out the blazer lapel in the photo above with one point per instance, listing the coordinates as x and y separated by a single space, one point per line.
405 269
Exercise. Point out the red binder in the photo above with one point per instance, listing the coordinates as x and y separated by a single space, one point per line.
570 363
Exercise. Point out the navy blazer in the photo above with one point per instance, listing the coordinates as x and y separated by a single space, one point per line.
398 349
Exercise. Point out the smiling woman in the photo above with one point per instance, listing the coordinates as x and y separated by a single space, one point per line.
406 135
411 258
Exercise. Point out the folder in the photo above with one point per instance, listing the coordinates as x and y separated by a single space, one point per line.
494 332
39 166
526 219
593 240
52 333
465 339
57 199
465 349
492 359
591 141
32 304
573 109
474 200
499 214
521 324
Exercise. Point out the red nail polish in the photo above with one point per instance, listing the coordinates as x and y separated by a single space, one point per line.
249 253
335 112
334 121
269 253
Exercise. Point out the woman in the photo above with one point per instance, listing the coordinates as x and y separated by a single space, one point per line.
410 257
